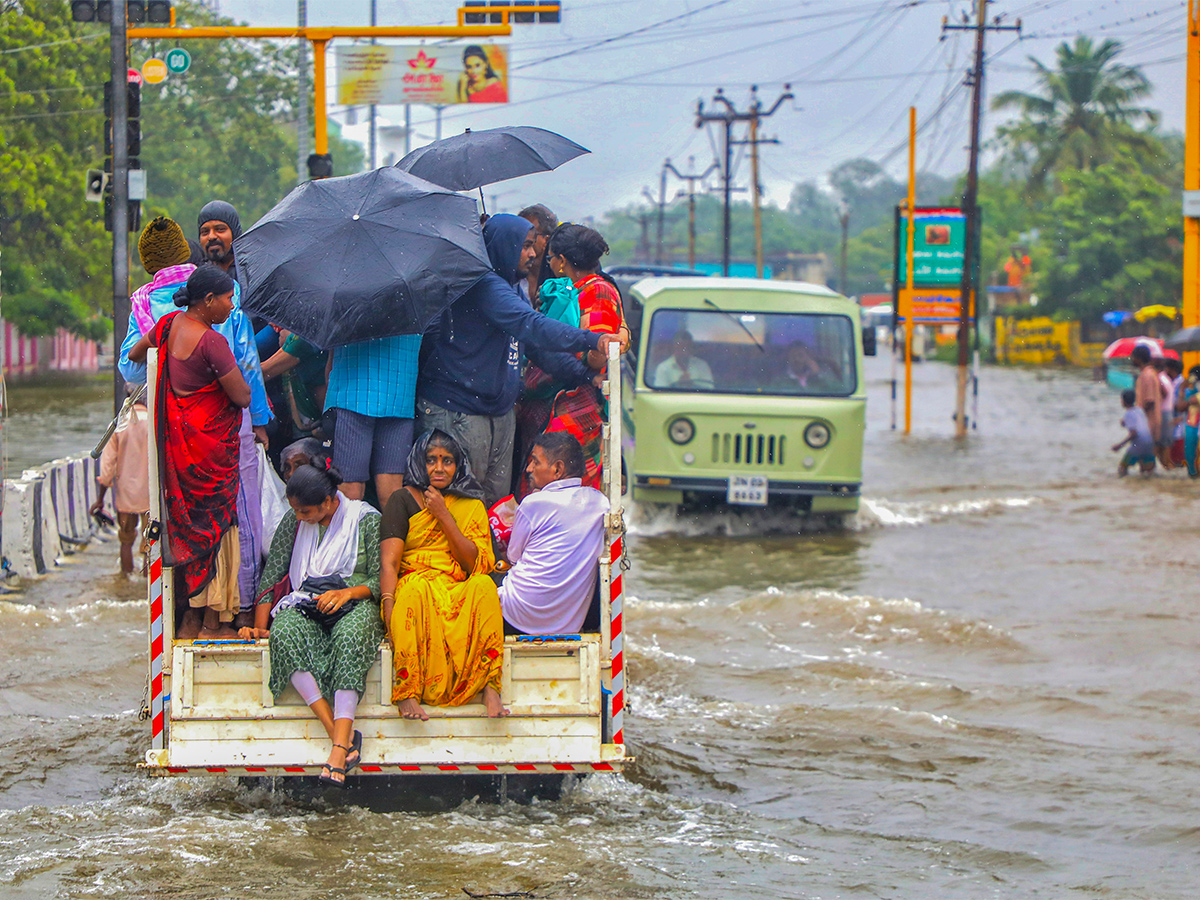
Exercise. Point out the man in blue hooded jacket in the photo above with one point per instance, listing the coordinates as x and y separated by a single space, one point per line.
471 356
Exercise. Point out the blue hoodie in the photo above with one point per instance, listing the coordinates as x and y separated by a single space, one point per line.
471 355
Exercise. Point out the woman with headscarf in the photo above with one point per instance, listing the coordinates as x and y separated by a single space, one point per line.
325 631
479 82
439 605
200 397
547 404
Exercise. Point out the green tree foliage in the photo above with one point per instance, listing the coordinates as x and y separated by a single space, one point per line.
1112 241
225 129
1082 114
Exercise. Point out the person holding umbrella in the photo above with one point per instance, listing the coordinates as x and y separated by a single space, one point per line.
471 356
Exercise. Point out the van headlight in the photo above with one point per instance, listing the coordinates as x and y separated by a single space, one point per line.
816 435
681 431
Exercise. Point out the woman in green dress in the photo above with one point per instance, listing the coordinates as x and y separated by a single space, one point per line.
325 631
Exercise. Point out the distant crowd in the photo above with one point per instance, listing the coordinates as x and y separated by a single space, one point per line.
1162 415
441 489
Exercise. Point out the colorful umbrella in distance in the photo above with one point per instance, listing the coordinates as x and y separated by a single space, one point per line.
1123 347
475 158
342 260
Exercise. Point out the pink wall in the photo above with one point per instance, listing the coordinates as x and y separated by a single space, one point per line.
63 352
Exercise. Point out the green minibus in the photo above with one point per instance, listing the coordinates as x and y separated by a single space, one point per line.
744 392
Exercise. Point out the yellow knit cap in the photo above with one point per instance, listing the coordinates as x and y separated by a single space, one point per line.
162 244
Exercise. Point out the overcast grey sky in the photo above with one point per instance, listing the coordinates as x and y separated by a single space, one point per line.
622 77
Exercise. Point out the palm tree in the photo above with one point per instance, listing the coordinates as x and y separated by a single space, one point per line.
1083 111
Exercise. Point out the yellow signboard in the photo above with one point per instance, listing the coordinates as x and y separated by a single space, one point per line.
154 71
930 306
434 75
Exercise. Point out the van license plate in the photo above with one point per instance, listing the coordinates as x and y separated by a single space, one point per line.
747 490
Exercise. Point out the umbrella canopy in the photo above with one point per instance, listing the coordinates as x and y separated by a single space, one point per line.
475 158
1186 339
1117 317
1146 313
342 260
1123 347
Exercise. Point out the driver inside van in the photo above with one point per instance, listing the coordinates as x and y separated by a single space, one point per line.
805 374
683 369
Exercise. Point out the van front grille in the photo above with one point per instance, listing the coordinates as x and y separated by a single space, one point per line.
748 449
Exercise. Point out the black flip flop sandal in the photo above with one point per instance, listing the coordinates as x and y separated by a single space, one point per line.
327 779
355 747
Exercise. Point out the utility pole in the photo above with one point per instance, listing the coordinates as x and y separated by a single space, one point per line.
691 178
727 118
302 126
971 203
660 205
844 219
372 149
119 72
1191 182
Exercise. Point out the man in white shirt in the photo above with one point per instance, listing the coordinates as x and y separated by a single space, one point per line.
682 369
556 541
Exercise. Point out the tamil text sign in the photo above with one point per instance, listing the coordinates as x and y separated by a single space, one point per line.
435 75
938 247
930 306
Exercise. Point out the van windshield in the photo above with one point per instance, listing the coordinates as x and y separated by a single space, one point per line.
736 352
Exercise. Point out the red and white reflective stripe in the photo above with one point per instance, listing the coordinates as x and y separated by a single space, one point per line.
616 603
157 707
398 769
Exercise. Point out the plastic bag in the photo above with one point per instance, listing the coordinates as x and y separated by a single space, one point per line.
273 498
501 518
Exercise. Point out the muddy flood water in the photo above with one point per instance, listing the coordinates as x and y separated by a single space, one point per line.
986 688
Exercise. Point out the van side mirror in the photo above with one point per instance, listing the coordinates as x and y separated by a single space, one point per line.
868 340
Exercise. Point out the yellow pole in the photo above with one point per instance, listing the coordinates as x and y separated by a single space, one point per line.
1191 181
912 232
320 120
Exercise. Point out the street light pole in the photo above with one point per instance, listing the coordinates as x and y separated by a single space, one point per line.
844 218
119 72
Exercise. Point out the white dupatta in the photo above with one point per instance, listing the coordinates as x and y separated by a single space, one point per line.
335 554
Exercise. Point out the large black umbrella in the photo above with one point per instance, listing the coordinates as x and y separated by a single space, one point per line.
475 158
1185 340
341 260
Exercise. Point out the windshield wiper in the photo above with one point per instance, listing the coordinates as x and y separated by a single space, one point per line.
740 324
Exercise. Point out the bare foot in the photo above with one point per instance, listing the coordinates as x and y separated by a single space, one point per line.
491 702
337 760
189 625
411 709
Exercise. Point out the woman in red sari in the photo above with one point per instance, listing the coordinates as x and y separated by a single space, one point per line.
479 82
573 252
198 408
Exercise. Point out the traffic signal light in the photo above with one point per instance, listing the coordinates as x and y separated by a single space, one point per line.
320 165
133 130
156 12
519 12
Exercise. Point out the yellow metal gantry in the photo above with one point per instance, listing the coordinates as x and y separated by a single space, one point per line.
320 38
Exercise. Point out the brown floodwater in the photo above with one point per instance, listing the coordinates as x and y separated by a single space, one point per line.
985 688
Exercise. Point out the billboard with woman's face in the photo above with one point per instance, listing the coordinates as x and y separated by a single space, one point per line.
434 75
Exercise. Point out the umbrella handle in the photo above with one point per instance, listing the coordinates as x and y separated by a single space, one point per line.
482 202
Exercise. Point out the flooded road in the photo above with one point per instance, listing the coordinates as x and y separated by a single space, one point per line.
986 688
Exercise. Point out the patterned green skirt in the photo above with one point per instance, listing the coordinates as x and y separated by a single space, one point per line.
338 660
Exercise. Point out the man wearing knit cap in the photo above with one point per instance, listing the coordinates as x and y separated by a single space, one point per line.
152 302
219 225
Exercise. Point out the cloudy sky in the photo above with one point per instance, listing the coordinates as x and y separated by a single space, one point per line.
622 77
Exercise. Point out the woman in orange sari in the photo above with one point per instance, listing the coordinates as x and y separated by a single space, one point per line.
573 253
439 605
200 397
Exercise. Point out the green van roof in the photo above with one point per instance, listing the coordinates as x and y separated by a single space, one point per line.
649 287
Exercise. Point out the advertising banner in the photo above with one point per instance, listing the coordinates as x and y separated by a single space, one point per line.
938 247
931 306
433 75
